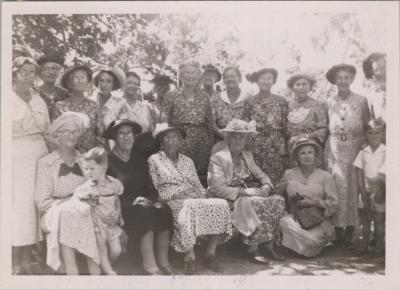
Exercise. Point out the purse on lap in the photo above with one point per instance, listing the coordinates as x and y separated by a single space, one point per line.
309 217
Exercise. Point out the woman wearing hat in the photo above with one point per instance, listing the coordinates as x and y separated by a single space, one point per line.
49 72
233 175
308 186
211 75
148 222
190 107
162 86
76 80
307 117
270 111
112 107
30 121
230 103
59 173
174 176
374 68
348 116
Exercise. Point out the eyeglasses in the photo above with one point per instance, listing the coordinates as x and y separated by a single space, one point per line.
125 134
51 69
69 132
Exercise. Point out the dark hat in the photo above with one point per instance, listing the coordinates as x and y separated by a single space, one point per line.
253 77
297 76
112 128
68 72
367 64
118 75
57 58
303 142
162 79
211 68
330 75
162 128
21 50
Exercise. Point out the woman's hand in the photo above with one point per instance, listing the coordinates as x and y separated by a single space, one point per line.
281 186
306 202
243 193
142 200
265 190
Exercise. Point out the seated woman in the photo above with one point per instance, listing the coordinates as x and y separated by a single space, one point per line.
175 178
234 176
145 219
59 173
314 188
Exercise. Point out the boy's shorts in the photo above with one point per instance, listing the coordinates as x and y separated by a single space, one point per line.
376 207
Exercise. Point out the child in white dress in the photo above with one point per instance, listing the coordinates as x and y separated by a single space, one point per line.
102 195
370 163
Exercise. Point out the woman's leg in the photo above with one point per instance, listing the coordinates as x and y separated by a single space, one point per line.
93 268
212 244
339 236
115 249
104 261
348 237
162 242
69 259
269 250
147 252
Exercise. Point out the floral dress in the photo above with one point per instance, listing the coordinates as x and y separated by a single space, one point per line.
195 117
88 139
269 146
115 108
347 120
30 120
193 217
308 119
320 187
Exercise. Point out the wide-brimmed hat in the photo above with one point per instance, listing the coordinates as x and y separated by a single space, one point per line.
118 75
21 50
162 128
57 58
68 72
367 64
330 75
162 79
20 61
113 127
295 77
303 142
240 126
253 77
211 68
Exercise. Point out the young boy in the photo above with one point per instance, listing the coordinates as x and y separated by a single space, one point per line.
370 164
102 193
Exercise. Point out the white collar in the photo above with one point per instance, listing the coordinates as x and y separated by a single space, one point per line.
380 149
225 98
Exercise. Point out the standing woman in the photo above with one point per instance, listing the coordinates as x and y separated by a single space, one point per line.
76 80
270 111
348 117
307 118
30 120
112 107
189 107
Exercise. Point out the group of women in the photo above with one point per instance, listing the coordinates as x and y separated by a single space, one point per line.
196 164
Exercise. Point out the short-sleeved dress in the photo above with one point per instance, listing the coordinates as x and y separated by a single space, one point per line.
195 216
30 120
88 139
320 187
347 120
106 214
308 118
195 117
269 146
60 220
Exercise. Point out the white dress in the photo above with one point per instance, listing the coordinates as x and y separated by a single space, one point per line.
30 121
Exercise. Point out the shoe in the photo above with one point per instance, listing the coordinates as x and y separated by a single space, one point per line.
272 254
167 270
257 258
211 263
158 272
190 267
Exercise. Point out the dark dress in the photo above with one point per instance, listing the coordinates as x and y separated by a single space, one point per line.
139 219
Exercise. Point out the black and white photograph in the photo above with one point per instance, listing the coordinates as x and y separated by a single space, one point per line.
209 144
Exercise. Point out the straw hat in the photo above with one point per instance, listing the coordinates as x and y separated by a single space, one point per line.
303 142
253 77
162 128
295 77
240 126
118 74
68 72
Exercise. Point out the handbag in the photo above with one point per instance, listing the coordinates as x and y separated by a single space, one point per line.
309 217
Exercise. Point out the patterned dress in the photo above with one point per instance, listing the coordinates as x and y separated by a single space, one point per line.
115 108
61 221
60 94
320 187
195 216
195 117
347 120
269 146
308 118
106 214
29 122
88 139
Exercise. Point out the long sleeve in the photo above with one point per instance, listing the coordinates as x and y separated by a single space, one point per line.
43 189
217 181
260 175
321 121
166 191
330 202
